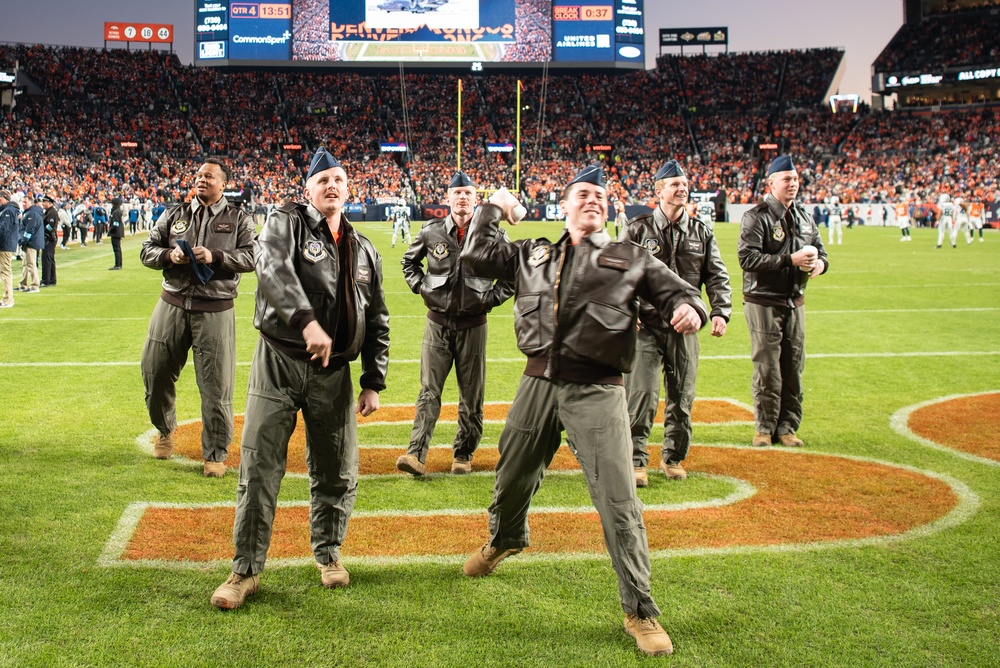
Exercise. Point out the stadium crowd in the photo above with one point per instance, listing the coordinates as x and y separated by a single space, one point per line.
135 125
955 40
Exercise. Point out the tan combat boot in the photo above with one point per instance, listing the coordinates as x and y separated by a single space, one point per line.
461 466
641 477
231 593
673 471
410 464
164 446
790 440
333 574
649 635
214 469
761 440
485 560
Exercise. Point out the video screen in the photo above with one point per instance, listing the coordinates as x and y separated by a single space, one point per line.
430 32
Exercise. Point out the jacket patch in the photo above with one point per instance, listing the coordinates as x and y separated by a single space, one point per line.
223 228
695 246
778 233
180 227
539 256
440 250
612 262
805 227
364 275
314 252
652 245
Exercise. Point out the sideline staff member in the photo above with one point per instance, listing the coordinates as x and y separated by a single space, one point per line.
455 333
319 306
688 247
195 312
575 314
780 249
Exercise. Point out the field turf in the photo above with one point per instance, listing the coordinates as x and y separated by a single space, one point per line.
891 325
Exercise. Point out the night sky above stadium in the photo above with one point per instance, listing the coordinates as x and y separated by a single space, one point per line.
862 27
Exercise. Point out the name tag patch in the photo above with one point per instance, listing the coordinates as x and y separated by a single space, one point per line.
612 262
364 275
314 252
695 246
222 228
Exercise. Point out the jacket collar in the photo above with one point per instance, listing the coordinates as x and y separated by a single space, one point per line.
213 209
314 219
661 219
776 207
599 238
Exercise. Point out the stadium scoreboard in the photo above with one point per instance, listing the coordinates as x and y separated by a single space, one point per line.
608 33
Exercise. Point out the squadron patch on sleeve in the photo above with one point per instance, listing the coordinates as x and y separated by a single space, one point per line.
179 227
778 233
440 250
314 252
652 245
539 256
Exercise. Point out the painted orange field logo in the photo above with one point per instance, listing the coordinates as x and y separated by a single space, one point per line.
779 498
967 425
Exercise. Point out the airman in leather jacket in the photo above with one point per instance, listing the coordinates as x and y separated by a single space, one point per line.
691 251
295 288
588 334
456 298
768 236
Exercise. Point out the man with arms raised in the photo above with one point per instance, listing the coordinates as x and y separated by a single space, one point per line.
320 305
688 247
455 333
575 314
780 249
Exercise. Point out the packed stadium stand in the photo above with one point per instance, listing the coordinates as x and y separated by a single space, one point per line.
137 123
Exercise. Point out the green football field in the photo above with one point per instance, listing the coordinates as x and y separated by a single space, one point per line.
890 326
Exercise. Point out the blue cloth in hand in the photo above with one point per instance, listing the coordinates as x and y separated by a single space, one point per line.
201 271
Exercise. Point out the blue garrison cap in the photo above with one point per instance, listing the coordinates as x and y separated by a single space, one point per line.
322 161
669 170
592 174
783 163
460 180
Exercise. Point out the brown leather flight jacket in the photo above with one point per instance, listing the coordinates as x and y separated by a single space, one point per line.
456 298
589 336
299 280
690 249
228 233
769 234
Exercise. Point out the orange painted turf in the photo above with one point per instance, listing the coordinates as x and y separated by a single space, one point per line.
188 436
969 424
800 499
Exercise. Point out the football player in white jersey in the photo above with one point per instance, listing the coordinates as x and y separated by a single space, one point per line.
836 220
946 221
962 221
400 215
